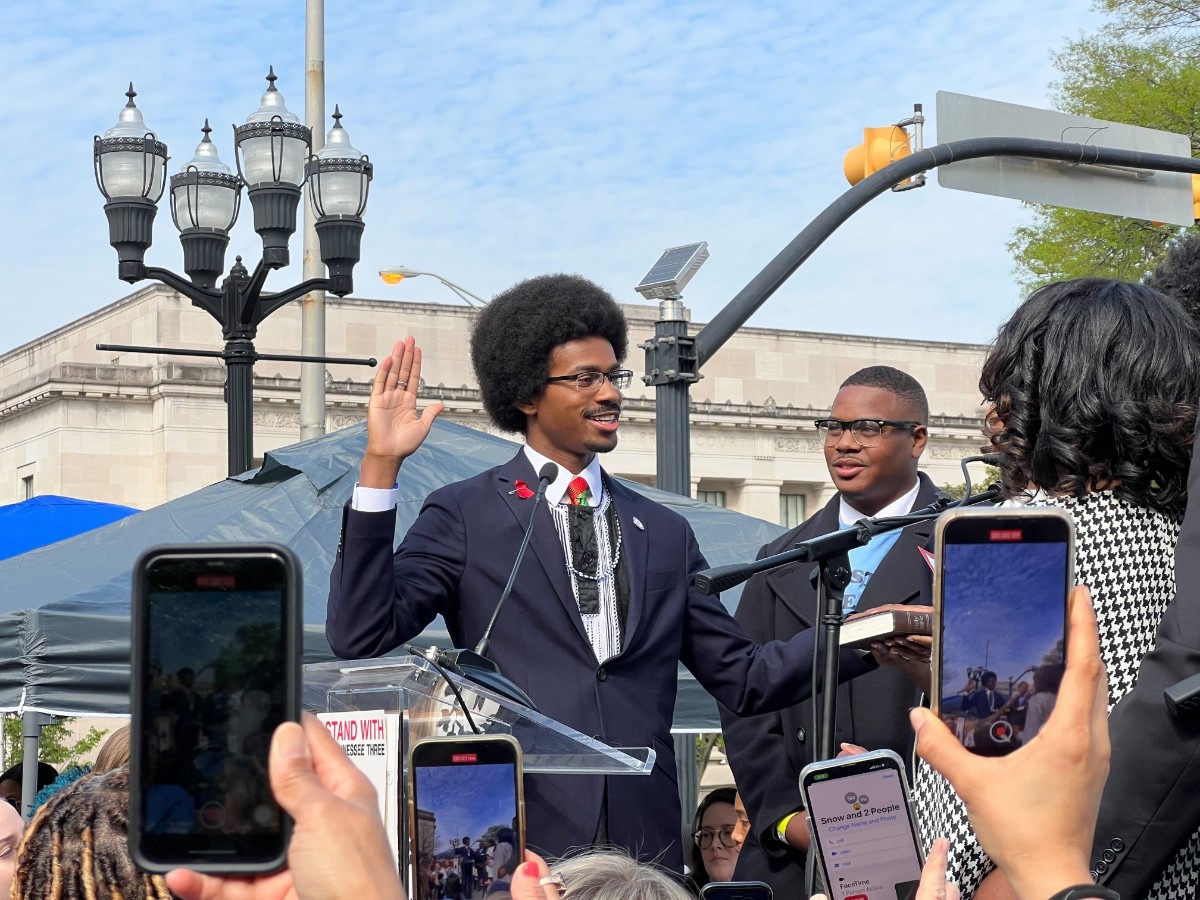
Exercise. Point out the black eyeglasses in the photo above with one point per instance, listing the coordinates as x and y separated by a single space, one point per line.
590 382
705 836
867 432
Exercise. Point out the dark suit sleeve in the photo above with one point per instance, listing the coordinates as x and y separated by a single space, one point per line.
377 601
1150 809
742 675
757 745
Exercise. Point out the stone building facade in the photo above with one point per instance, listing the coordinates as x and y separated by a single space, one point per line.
140 429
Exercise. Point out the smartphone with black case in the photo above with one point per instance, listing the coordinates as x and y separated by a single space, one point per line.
215 669
466 814
1001 581
861 823
736 890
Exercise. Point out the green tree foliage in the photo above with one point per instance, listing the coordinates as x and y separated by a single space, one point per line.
58 746
1141 69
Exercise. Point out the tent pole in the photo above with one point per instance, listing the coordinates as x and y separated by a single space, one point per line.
31 731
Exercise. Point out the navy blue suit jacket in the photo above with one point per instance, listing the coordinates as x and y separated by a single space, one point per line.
455 560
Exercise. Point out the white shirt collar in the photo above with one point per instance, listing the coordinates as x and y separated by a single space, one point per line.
901 506
558 487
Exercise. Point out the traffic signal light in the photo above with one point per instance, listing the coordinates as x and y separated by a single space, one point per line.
880 147
1196 197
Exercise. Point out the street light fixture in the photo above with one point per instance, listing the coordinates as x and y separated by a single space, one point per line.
272 152
396 274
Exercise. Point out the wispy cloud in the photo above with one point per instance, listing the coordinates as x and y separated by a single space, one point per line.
518 138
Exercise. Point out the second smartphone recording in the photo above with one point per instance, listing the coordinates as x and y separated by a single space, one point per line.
1000 611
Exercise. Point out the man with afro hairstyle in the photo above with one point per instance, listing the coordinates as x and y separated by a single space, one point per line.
604 609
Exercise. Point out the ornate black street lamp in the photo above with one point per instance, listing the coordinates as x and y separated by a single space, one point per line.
272 151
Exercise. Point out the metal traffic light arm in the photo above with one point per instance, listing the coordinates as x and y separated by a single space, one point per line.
735 314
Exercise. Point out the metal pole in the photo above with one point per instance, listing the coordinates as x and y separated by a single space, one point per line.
31 731
312 331
689 782
239 403
673 427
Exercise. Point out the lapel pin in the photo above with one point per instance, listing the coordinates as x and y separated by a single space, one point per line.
637 523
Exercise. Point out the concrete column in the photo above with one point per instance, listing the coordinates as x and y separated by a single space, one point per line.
824 493
760 498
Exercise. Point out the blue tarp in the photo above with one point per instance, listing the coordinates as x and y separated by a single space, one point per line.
47 520
64 609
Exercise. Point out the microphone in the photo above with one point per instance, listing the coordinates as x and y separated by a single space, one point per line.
474 664
721 578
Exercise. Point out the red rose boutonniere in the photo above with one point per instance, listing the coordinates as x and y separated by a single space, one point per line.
523 490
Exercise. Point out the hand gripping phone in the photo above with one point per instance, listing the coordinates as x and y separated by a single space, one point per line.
466 813
862 827
215 669
1001 581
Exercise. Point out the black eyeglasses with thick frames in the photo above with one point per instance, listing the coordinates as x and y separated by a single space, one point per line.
867 432
705 836
589 382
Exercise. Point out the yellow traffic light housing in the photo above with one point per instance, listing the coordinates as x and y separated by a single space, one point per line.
1196 197
880 148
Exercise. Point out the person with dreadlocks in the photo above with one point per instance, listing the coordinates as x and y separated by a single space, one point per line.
604 608
77 847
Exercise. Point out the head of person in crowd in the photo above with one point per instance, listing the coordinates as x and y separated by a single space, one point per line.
714 850
614 875
12 826
542 351
78 846
874 437
1092 385
115 751
1047 678
10 782
1178 275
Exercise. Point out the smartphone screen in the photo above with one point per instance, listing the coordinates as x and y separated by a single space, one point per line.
864 831
468 814
216 651
1003 580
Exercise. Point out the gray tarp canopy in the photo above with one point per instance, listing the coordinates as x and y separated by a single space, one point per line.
64 609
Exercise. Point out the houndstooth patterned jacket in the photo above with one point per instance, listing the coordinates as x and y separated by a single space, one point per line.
1126 555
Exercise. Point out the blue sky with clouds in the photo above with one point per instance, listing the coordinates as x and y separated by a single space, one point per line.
511 139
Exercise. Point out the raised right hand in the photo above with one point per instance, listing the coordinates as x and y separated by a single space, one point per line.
394 429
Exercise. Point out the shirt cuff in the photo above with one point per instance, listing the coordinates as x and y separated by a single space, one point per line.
366 499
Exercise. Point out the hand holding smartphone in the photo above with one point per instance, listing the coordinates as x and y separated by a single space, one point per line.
1001 583
862 826
215 669
467 814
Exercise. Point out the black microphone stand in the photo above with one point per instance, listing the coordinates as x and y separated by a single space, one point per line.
474 665
831 553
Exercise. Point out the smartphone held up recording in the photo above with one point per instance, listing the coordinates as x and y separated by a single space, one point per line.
215 669
466 814
862 826
1000 613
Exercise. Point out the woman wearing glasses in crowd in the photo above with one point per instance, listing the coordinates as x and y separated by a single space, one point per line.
714 851
1093 387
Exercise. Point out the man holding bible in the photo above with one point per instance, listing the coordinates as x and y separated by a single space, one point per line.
874 438
604 607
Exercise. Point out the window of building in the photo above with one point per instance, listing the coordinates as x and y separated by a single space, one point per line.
27 487
716 498
791 510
